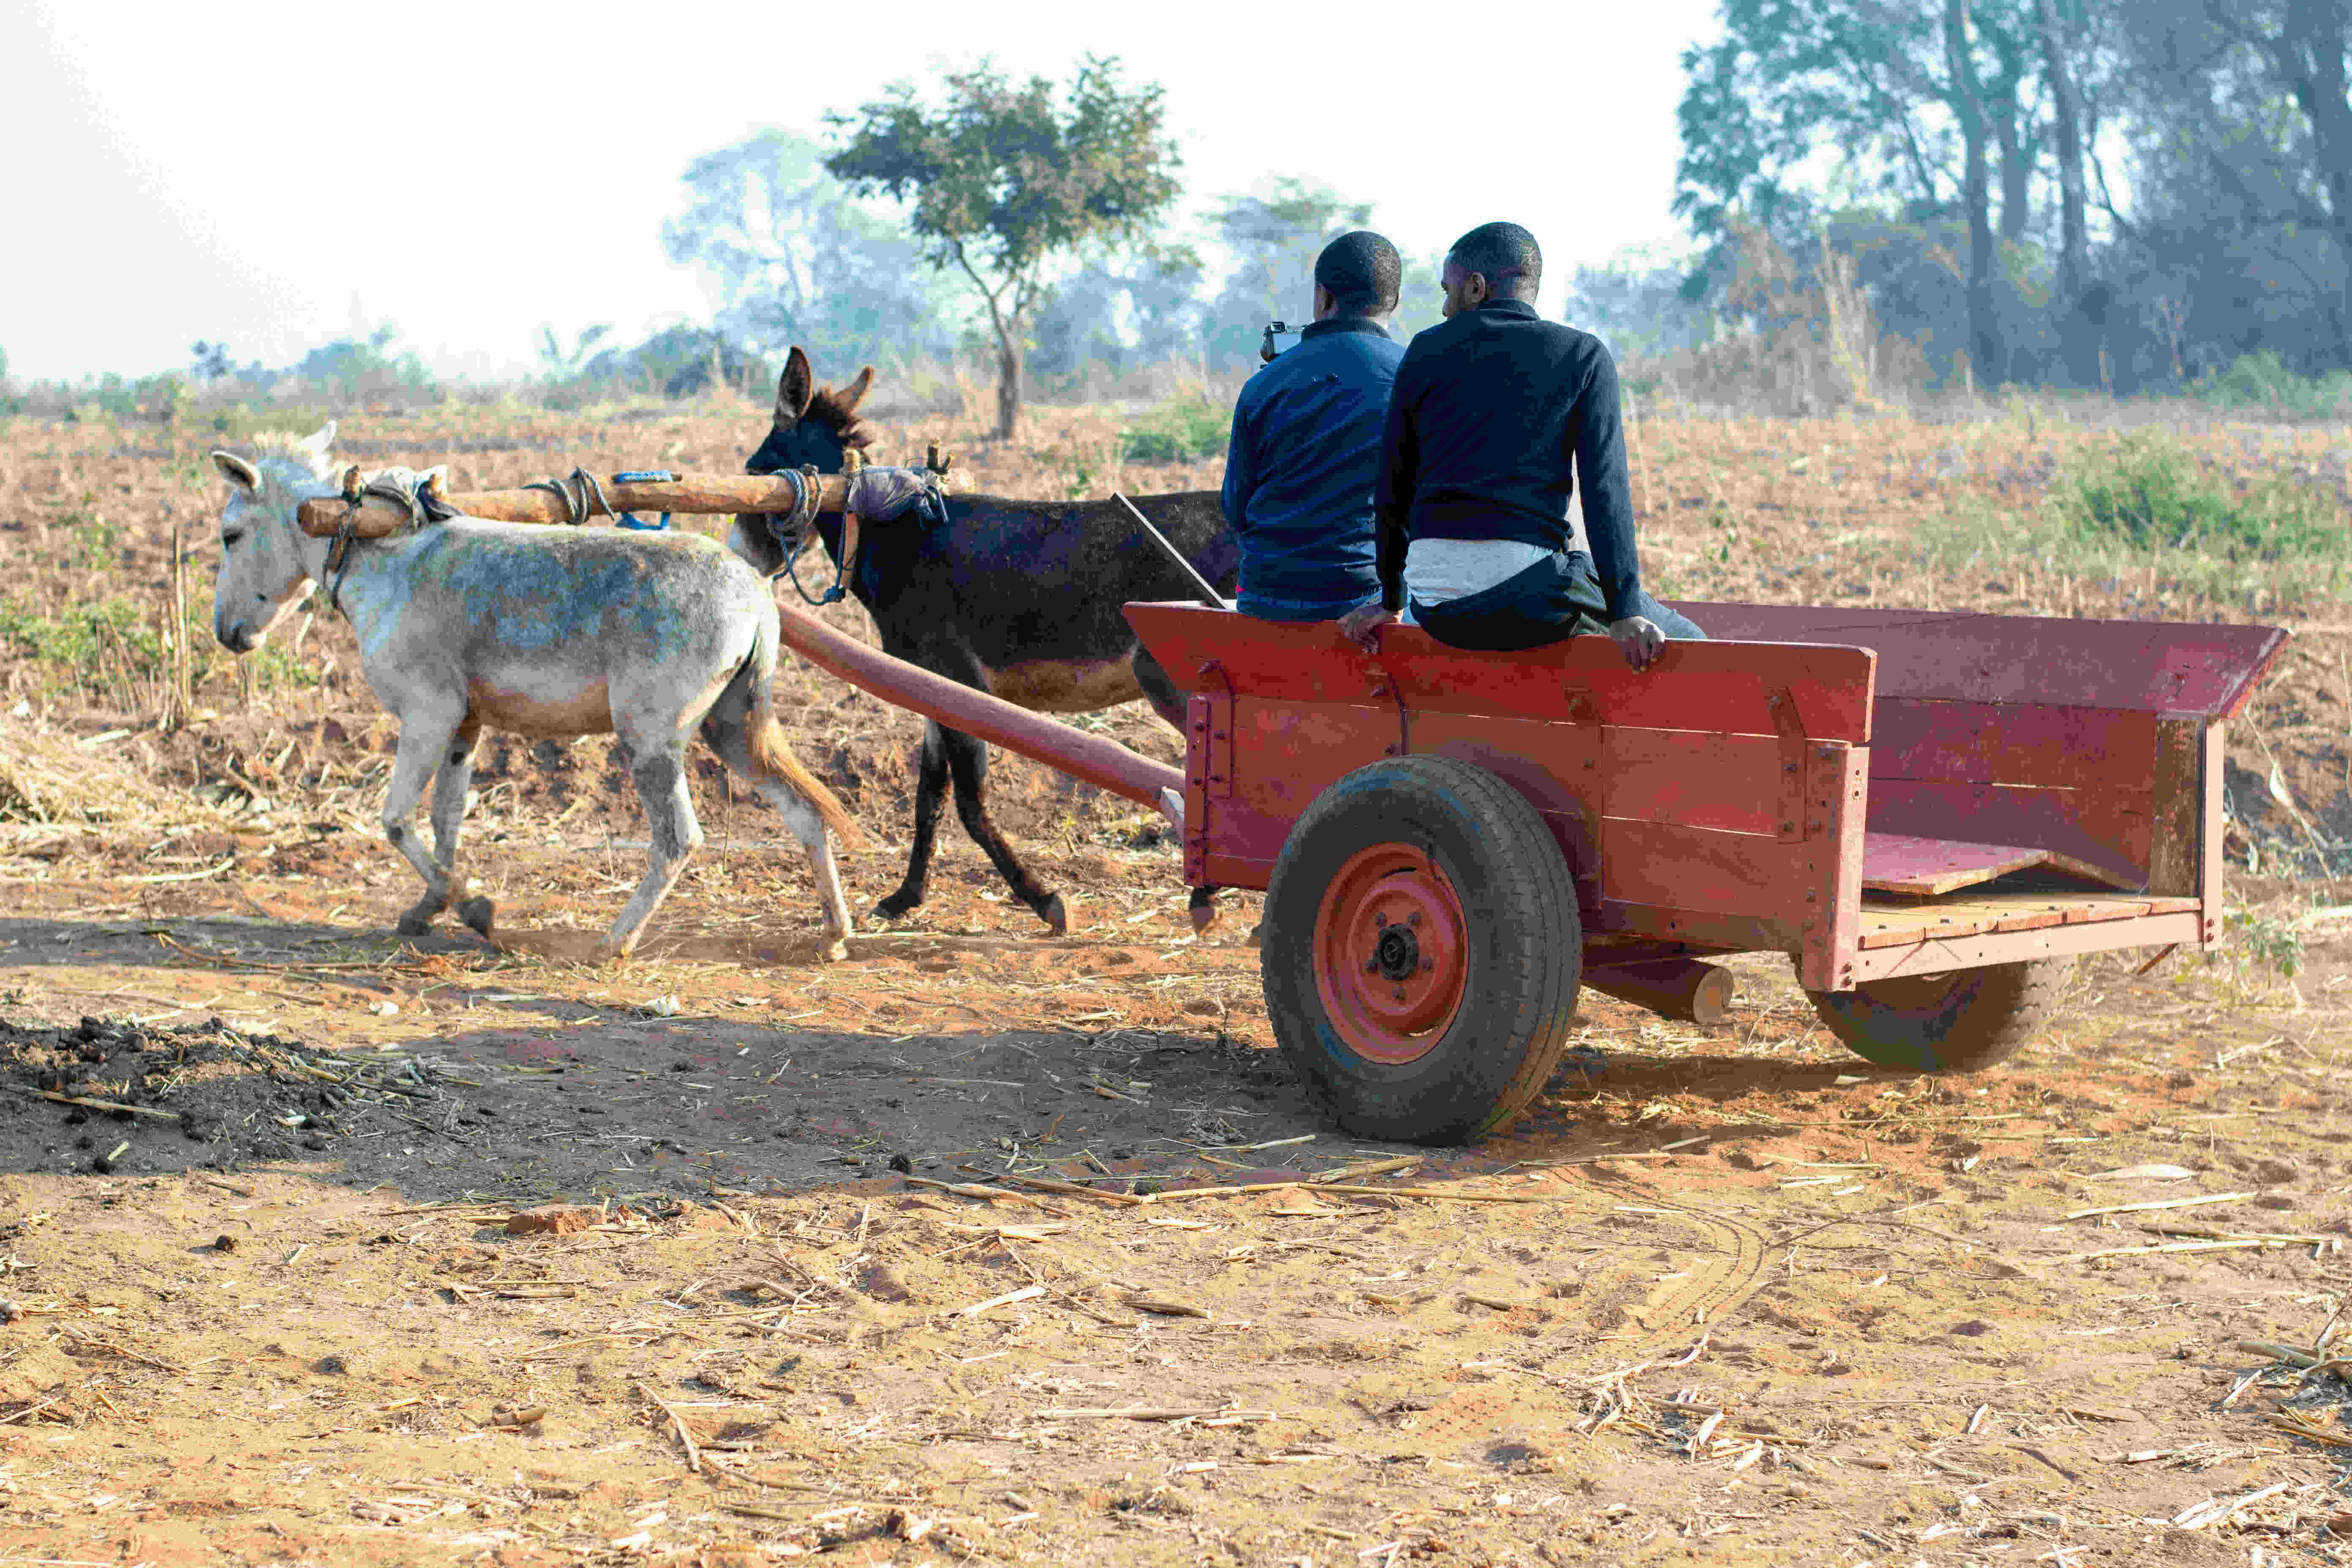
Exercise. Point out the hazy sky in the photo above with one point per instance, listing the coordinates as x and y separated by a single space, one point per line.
273 175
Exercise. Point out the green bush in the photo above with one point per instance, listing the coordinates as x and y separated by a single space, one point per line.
2148 492
1181 430
72 638
2263 381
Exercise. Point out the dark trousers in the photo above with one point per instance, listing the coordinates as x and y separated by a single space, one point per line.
1557 597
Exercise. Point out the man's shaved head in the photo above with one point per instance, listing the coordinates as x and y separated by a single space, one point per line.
1362 272
1505 255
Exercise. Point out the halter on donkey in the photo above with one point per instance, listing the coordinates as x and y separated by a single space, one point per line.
538 632
1020 598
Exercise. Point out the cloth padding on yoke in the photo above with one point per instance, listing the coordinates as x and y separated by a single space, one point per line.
886 495
422 493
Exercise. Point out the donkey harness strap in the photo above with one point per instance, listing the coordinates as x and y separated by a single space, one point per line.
420 497
808 492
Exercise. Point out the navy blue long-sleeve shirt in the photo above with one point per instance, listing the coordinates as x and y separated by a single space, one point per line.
1496 416
1299 469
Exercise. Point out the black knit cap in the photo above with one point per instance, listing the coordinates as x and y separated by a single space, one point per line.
1362 272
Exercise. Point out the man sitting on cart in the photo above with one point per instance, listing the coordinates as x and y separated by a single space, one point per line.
1496 412
1307 439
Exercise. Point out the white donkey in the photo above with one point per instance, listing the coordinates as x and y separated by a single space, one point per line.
540 632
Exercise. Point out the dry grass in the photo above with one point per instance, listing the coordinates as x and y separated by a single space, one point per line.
1850 510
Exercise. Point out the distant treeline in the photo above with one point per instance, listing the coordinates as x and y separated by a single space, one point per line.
1886 201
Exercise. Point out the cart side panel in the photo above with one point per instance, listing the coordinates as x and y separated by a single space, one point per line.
1282 755
2166 668
2107 829
1713 686
2041 746
2077 781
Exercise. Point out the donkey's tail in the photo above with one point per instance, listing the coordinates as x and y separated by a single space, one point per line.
773 754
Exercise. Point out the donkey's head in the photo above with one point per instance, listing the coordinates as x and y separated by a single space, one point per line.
263 570
814 424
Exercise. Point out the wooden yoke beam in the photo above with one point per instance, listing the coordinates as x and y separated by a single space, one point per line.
321 517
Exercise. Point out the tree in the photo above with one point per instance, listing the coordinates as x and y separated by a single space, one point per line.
1959 53
1001 178
2066 110
798 261
2242 134
1119 317
1895 100
565 365
210 361
1274 236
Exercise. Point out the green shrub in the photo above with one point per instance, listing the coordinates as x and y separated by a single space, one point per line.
2263 381
1181 430
2147 492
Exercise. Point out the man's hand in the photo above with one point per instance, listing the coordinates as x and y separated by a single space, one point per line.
1361 625
1639 639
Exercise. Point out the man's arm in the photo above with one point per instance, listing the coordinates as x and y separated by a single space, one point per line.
1241 465
1392 489
1598 439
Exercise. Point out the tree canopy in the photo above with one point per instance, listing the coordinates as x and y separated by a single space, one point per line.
2126 192
1000 178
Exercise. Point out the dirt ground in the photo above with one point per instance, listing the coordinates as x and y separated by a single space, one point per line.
290 1319
1725 1295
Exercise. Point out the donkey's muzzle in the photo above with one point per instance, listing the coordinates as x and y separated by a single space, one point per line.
238 639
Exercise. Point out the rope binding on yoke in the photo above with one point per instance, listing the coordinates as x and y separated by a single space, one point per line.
650 477
801 522
583 495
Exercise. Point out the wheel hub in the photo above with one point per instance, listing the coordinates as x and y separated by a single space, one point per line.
1393 948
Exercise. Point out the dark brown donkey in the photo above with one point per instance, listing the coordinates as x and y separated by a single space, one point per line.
1020 598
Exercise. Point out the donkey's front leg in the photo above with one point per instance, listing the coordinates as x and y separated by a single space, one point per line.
660 777
449 790
423 740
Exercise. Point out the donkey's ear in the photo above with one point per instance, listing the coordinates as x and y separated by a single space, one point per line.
795 388
237 471
852 394
317 444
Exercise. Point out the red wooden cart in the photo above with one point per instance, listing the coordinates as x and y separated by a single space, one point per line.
1929 813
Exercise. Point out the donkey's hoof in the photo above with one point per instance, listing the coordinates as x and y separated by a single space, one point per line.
897 906
1203 910
477 913
412 924
835 950
1056 914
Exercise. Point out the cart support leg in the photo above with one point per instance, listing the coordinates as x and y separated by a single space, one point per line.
1680 988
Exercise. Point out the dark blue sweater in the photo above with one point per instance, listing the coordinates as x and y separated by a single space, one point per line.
1299 472
1497 414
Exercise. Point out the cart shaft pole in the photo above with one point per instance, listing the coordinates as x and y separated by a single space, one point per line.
1099 762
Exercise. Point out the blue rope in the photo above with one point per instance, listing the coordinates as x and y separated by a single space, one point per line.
649 477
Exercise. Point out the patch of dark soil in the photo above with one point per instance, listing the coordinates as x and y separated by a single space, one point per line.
88 1094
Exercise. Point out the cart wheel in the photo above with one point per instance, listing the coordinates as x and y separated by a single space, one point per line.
1422 950
1964 1021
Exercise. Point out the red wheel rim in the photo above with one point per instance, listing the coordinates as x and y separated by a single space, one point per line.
1390 953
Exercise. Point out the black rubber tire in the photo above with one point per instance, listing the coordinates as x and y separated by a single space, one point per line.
1963 1021
1522 954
